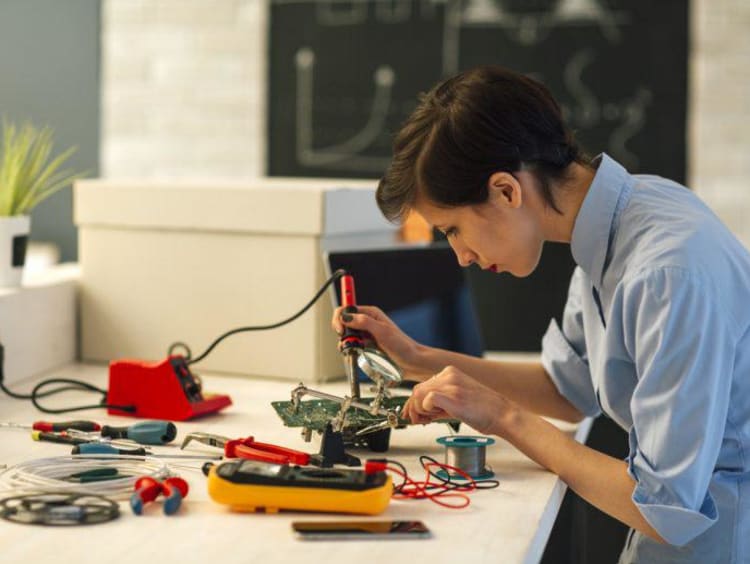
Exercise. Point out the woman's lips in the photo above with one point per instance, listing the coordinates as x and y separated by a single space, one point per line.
493 268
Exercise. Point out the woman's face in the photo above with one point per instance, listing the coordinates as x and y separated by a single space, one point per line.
501 235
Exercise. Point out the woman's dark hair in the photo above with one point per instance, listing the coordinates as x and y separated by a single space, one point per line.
486 120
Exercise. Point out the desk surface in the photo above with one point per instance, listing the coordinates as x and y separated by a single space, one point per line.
508 524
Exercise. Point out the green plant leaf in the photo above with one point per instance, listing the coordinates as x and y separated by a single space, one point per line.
27 175
42 182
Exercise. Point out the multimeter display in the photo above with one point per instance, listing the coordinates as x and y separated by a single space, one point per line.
249 485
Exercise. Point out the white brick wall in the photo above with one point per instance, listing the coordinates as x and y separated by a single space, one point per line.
183 87
184 94
719 139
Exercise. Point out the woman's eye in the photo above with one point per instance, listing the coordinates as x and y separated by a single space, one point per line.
452 232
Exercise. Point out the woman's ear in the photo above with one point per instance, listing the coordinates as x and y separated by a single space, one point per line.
505 190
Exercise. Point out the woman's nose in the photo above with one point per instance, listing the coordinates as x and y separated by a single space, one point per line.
465 257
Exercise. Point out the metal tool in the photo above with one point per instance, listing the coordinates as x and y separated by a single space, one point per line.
102 448
49 426
74 437
250 448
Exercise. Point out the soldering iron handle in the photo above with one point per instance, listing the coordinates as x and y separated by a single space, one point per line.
348 295
350 337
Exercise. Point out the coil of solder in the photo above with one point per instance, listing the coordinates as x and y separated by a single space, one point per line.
467 453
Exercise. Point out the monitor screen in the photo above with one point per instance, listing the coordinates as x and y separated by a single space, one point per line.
423 289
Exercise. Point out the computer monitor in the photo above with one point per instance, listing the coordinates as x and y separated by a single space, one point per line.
423 289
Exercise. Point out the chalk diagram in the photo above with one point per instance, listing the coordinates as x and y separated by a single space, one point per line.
530 22
346 155
628 115
523 26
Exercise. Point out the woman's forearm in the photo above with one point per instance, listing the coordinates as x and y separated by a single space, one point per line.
526 384
601 480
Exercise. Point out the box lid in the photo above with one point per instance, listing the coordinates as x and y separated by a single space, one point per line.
293 206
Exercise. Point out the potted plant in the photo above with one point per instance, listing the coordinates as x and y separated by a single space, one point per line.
28 174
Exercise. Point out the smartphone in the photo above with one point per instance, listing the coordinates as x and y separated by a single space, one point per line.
338 530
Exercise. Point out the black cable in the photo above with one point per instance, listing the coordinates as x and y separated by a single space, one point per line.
335 276
35 394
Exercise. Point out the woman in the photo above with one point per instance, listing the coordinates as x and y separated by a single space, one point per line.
654 333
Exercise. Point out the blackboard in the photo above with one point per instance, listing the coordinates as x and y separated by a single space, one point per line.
344 75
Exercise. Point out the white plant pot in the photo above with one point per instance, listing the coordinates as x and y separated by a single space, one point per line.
14 236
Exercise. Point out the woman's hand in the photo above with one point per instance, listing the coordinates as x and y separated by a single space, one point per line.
402 349
451 394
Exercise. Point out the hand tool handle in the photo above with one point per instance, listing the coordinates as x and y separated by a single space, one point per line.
145 432
350 337
101 448
65 425
348 294
146 489
248 448
57 438
174 489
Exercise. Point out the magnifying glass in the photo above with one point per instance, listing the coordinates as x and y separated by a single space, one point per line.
378 367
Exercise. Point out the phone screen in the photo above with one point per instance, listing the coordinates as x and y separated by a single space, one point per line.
336 530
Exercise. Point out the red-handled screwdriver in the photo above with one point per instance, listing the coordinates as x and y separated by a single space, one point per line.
60 437
54 426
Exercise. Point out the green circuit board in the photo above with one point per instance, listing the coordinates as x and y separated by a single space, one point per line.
317 413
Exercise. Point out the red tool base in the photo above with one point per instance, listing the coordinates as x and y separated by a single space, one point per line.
159 390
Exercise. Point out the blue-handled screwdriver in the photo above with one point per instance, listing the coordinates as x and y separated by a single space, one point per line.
144 432
103 448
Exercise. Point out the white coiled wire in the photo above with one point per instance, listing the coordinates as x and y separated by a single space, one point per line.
50 474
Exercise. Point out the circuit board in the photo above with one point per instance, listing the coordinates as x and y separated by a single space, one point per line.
316 414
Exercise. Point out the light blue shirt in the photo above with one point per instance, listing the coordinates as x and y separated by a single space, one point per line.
656 334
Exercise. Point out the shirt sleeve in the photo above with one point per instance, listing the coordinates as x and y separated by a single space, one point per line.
564 353
683 347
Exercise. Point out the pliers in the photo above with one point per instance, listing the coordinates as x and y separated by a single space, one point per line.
250 448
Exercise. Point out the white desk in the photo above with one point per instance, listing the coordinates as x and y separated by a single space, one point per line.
508 524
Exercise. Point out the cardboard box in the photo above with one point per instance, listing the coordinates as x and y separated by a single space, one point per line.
187 261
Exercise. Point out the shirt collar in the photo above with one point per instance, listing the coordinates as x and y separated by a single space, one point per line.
594 224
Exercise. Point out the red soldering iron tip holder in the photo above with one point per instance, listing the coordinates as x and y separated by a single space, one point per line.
160 390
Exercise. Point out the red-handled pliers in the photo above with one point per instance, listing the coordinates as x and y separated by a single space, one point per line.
250 448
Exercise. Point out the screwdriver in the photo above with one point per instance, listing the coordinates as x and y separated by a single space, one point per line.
144 432
48 426
101 448
60 437
352 340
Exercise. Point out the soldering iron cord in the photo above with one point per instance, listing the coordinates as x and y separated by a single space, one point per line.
335 276
69 384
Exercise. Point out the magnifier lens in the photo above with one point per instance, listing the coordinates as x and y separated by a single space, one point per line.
378 366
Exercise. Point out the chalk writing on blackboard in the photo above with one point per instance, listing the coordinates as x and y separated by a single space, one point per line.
345 74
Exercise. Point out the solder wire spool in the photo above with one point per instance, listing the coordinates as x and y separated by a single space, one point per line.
467 453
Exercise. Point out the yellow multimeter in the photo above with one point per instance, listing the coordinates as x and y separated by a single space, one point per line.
250 485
